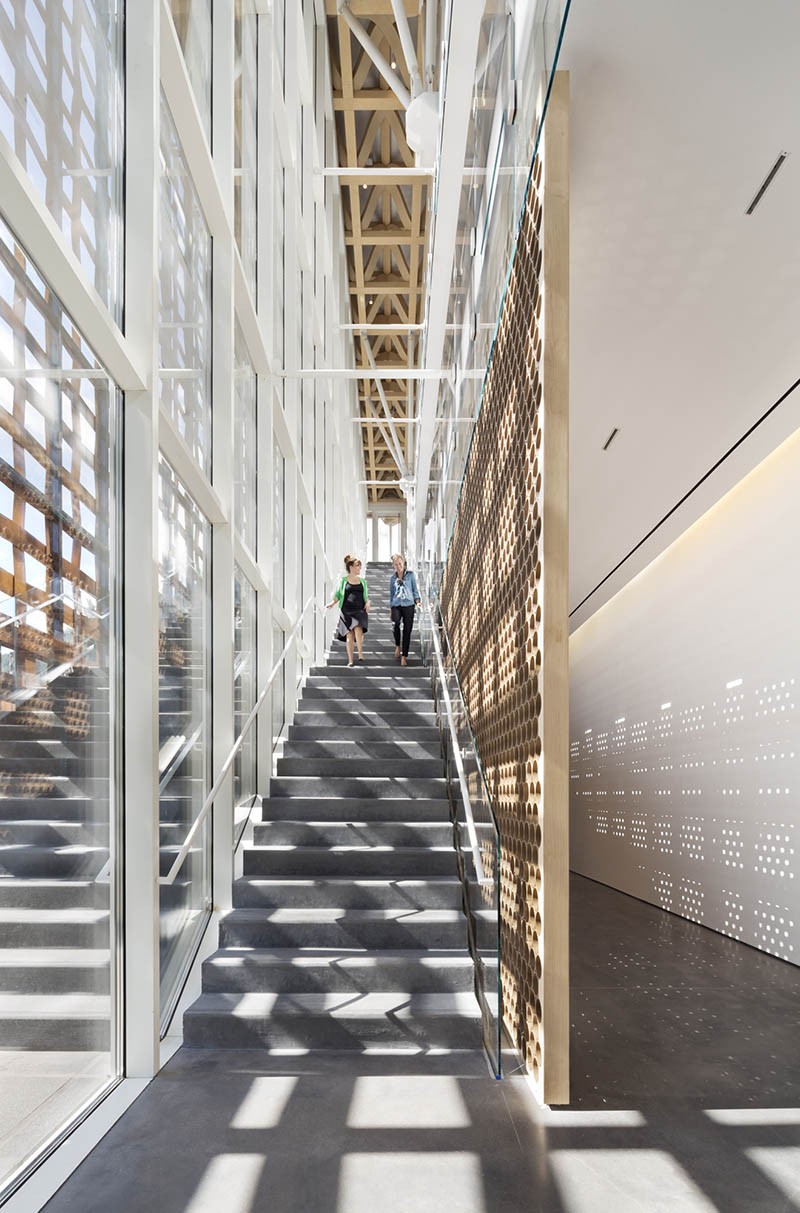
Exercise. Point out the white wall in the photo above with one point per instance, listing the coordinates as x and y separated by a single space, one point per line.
685 745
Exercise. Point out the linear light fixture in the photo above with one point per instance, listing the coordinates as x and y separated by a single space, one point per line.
610 438
767 182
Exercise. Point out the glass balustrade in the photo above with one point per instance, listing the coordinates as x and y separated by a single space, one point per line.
504 128
184 726
244 698
477 836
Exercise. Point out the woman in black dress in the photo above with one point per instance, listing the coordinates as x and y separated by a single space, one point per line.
352 596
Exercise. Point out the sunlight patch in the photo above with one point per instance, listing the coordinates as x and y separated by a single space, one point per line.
447 1182
264 1104
407 1101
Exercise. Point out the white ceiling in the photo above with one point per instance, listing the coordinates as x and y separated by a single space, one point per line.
685 312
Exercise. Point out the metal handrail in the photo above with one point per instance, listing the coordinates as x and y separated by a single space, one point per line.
462 777
180 858
40 606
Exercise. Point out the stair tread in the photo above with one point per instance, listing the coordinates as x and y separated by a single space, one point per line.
343 1005
67 914
347 916
67 958
341 848
351 956
54 1006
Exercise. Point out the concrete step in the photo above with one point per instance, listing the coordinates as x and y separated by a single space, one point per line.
334 1021
327 767
51 832
372 733
310 970
414 692
346 711
52 808
339 928
349 861
438 892
356 809
346 722
68 765
384 660
365 750
55 1022
67 928
367 786
324 675
44 861
353 833
32 970
53 894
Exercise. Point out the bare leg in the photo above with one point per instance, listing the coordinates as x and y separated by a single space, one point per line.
360 640
349 643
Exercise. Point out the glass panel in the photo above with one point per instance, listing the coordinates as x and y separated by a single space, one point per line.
58 694
193 23
505 123
477 834
184 289
61 110
279 526
245 448
279 685
245 112
183 724
244 694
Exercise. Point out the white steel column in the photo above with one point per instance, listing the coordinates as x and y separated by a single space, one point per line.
264 391
224 255
141 546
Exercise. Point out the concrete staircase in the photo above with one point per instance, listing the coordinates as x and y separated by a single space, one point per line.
348 930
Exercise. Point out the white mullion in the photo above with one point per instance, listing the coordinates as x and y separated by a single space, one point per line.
26 213
191 132
141 631
177 453
224 255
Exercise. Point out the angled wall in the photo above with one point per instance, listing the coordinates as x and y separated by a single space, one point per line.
504 599
685 755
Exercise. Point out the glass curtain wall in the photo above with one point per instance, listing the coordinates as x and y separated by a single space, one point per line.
245 446
193 25
184 290
61 110
59 829
184 724
244 694
245 115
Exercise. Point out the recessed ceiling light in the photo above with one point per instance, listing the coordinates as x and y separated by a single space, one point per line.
767 182
394 65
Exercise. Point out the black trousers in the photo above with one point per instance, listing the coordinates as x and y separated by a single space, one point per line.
404 615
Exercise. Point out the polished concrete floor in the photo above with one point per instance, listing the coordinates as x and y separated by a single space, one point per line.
686 1098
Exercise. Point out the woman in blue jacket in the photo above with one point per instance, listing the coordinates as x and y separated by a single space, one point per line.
403 597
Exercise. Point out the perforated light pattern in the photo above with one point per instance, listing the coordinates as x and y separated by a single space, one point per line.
492 598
